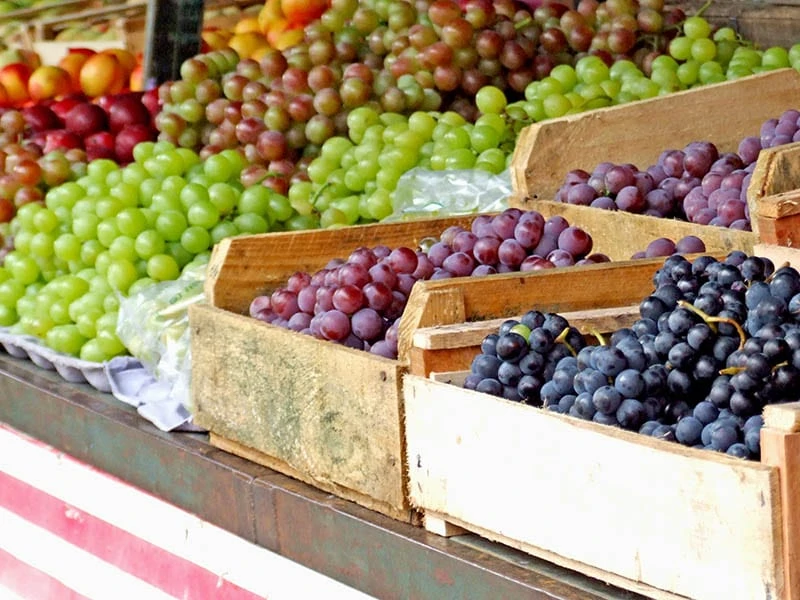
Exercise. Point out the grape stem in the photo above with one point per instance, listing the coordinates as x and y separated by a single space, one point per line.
562 337
731 370
772 275
703 8
600 339
709 320
322 188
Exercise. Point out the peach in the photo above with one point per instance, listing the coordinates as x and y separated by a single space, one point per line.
14 78
72 63
126 58
48 82
282 35
102 74
136 82
215 39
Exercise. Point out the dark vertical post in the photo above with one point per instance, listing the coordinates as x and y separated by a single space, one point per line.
172 36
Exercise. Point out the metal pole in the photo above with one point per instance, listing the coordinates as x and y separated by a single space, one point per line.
172 35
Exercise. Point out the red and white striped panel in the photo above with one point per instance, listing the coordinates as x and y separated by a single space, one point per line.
71 532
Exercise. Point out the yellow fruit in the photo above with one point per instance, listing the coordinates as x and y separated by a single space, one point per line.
246 44
269 15
246 25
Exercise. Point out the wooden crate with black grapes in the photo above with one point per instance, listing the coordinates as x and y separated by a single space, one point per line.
664 458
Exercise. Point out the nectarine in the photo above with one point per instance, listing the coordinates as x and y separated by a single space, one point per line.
48 82
102 74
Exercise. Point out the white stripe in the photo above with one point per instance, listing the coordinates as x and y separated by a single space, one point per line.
69 564
236 560
7 594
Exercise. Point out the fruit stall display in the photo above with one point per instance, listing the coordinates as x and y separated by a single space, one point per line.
275 158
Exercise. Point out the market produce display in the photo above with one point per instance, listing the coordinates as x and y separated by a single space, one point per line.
716 342
697 183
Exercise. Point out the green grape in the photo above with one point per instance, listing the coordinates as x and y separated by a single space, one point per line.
25 270
195 239
41 245
100 168
147 189
121 274
254 200
664 62
251 223
123 247
162 267
556 105
45 220
171 225
704 50
85 323
84 226
11 290
59 312
91 351
203 213
566 75
666 79
696 28
139 286
490 100
107 232
149 243
22 241
102 262
8 316
176 251
131 221
711 72
775 58
688 72
164 202
90 249
219 168
224 197
591 70
223 230
109 343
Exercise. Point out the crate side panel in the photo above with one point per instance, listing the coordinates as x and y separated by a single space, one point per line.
327 411
706 527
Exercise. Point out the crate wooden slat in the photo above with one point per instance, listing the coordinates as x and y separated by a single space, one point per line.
639 131
652 516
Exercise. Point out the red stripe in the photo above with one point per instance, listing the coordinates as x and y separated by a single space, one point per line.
28 582
150 563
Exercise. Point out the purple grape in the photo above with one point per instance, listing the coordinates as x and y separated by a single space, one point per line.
604 202
511 253
546 245
297 281
698 158
378 295
749 149
529 232
299 321
503 225
402 260
480 221
284 303
659 247
405 282
424 268
382 348
441 273
535 263
575 241
657 173
485 250
619 177
561 258
348 299
464 241
576 176
660 201
367 324
690 244
598 183
483 270
672 162
630 199
258 304
334 325
324 301
779 140
362 256
581 194
785 128
555 225
384 273
306 298
449 234
460 264
355 274
438 252
734 180
717 197
644 182
704 216
731 210
684 186
602 168
741 225
711 182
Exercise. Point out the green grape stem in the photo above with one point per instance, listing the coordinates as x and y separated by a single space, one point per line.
562 337
710 320
600 339
703 8
731 370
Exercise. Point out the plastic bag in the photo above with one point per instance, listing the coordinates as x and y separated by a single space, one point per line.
154 326
422 192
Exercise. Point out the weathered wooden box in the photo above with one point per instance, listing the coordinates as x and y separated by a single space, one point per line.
650 516
637 133
330 415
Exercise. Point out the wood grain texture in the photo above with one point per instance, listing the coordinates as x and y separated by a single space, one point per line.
329 412
243 267
780 447
779 232
546 151
684 521
776 172
620 235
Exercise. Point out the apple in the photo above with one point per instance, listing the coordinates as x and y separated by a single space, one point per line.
85 119
62 139
48 82
100 145
14 78
63 106
41 118
127 110
151 101
128 137
101 74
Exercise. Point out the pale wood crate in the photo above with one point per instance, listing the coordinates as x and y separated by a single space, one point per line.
774 196
647 515
333 416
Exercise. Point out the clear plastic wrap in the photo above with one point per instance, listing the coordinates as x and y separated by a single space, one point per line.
422 192
154 326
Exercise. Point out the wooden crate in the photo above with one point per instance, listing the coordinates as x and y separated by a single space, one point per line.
330 415
638 132
774 196
651 516
547 151
765 23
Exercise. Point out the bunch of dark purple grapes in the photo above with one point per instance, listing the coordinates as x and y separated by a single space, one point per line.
358 301
716 342
698 183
